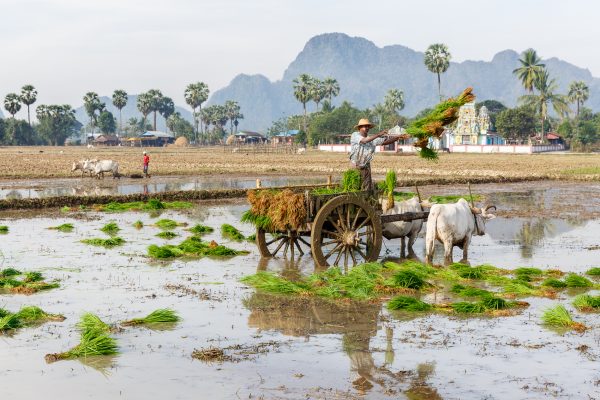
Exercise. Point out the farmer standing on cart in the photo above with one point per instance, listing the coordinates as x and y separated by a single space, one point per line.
362 149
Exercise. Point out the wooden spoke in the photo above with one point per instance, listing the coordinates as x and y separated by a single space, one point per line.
300 238
332 251
339 256
276 239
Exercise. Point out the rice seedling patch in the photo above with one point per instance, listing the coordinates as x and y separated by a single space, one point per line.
167 235
577 281
469 291
351 181
554 283
3 229
107 243
150 205
408 303
138 224
168 224
24 283
68 227
593 271
260 221
27 316
527 274
231 232
162 315
561 318
586 302
111 228
9 272
200 229
193 246
408 279
251 238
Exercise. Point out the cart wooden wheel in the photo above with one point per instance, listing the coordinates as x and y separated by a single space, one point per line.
346 231
286 243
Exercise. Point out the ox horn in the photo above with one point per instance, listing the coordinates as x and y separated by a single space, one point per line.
490 206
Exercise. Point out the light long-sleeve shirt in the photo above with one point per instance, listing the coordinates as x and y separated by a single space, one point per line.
361 154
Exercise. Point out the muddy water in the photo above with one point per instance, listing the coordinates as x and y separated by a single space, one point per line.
302 348
86 186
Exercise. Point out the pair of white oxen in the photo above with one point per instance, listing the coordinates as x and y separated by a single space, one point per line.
96 168
451 224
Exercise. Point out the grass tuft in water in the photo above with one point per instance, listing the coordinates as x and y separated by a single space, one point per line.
167 235
554 283
231 232
162 315
577 281
9 272
111 228
527 274
271 283
593 271
408 303
465 307
138 224
68 227
200 229
467 272
559 317
108 243
94 342
166 224
408 279
192 246
91 322
469 291
33 276
585 302
3 229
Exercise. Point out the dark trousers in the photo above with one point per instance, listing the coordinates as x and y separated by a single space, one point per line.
365 177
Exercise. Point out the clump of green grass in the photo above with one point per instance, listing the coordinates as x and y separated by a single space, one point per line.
93 343
561 318
467 272
91 322
231 232
166 224
465 307
351 181
554 283
9 272
26 316
164 252
111 228
593 271
192 246
162 315
453 198
150 205
108 243
138 224
260 221
251 238
469 291
408 303
167 235
10 322
200 229
519 288
271 283
577 281
585 302
68 227
409 279
527 274
494 303
3 229
33 276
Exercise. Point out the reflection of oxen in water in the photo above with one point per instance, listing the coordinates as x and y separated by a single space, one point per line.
93 191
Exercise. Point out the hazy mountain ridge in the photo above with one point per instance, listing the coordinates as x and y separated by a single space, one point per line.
366 72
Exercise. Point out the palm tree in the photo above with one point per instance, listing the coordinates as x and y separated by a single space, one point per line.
156 98
232 109
144 105
92 103
28 97
302 89
437 60
119 100
578 93
530 68
166 108
317 91
379 110
546 88
12 103
332 88
195 94
394 100
206 117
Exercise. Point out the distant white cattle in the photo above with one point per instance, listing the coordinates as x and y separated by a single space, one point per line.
403 229
86 166
102 166
301 150
453 225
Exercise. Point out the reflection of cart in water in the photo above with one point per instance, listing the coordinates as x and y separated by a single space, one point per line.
338 229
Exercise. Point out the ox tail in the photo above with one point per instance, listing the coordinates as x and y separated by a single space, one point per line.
430 234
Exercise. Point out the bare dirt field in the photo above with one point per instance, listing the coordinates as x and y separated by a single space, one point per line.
51 162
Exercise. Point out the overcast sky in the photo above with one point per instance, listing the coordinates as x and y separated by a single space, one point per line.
68 47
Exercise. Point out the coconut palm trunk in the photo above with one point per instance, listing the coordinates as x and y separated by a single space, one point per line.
439 86
29 118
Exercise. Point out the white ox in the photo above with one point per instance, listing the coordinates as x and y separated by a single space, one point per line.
84 165
102 166
301 150
403 229
453 225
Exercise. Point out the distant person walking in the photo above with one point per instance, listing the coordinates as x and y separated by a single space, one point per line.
146 163
362 149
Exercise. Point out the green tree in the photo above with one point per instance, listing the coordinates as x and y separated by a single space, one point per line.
578 94
155 97
325 127
317 91
302 92
332 88
144 105
195 94
119 100
394 103
92 103
179 126
531 67
12 104
232 110
166 108
379 110
106 122
546 95
437 60
516 124
17 132
28 97
56 122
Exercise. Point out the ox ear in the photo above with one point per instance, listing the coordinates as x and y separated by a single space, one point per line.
489 216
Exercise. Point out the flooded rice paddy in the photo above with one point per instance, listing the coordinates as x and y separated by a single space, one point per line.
290 348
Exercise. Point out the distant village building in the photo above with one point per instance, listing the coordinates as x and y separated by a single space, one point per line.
106 140
152 139
473 128
286 138
249 137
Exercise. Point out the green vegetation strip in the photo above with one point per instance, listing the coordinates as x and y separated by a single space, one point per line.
453 198
200 229
167 235
16 281
25 317
167 224
3 229
162 315
193 246
231 232
593 271
108 243
111 228
68 227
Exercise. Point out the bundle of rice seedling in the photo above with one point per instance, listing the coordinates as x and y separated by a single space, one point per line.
251 238
91 322
192 246
494 303
200 229
284 209
3 229
465 307
167 235
231 232
401 196
271 283
593 271
585 302
32 314
577 281
260 221
166 224
10 283
33 276
163 252
554 283
408 279
527 274
351 180
561 318
387 187
359 283
408 303
432 125
162 315
10 322
467 272
63 228
93 343
469 291
138 224
108 243
9 272
111 228
519 288
154 204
